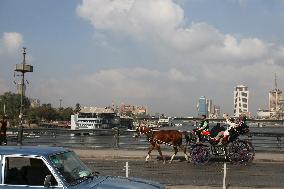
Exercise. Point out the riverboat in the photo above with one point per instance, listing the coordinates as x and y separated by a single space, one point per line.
94 118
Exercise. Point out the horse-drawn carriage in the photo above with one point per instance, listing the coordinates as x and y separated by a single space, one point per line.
230 146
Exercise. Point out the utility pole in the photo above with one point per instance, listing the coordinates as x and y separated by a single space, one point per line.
22 68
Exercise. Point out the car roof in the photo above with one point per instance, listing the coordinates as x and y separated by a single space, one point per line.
31 150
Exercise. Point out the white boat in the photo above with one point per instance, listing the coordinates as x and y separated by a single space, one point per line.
94 118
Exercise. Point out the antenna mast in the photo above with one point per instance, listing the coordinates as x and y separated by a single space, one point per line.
22 68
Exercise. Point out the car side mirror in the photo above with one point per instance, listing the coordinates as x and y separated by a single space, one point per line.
47 181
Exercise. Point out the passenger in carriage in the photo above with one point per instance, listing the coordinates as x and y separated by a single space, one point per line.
203 128
224 134
216 130
232 128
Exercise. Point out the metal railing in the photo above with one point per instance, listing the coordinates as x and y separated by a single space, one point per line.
119 139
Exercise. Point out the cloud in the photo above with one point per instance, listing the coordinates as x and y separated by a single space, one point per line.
250 48
11 42
131 16
176 75
190 60
161 25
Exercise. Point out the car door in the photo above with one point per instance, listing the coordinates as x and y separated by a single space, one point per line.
20 171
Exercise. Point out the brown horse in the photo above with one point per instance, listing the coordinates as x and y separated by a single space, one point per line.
169 137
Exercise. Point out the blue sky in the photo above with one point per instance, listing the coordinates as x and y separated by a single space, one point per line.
163 54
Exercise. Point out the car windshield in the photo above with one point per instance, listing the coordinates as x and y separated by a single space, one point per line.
72 169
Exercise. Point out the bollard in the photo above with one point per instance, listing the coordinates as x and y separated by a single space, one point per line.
126 169
224 177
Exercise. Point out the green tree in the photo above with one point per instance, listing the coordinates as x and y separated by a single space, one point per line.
77 108
47 113
33 115
12 103
65 114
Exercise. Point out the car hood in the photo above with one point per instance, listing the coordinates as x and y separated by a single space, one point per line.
111 182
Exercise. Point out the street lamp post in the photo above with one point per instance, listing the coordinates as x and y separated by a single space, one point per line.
22 68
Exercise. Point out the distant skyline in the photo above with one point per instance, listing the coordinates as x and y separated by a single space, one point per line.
163 54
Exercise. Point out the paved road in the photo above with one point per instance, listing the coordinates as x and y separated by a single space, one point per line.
257 175
267 170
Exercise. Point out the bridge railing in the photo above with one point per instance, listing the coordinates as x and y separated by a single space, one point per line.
119 139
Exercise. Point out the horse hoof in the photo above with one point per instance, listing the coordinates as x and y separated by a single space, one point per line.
164 162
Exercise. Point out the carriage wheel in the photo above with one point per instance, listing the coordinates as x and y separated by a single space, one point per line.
200 155
240 152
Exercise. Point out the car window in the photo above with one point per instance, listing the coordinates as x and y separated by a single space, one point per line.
26 171
71 168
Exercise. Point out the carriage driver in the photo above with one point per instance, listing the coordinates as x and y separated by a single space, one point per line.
203 127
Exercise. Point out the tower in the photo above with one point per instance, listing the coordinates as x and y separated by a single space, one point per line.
241 99
22 68
202 106
275 96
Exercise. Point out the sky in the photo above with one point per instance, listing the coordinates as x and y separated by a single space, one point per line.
162 54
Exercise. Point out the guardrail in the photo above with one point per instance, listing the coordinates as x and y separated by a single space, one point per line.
119 138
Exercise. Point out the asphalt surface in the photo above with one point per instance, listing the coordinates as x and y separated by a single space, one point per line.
266 171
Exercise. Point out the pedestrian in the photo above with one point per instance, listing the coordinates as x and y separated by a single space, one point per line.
3 130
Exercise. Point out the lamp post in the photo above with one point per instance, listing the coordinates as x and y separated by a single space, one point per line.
22 68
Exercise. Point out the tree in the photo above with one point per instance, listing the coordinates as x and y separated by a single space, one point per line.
65 114
47 113
77 108
12 103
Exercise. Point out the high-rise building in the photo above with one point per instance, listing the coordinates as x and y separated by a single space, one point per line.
217 111
275 96
206 107
275 100
202 106
241 99
211 108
